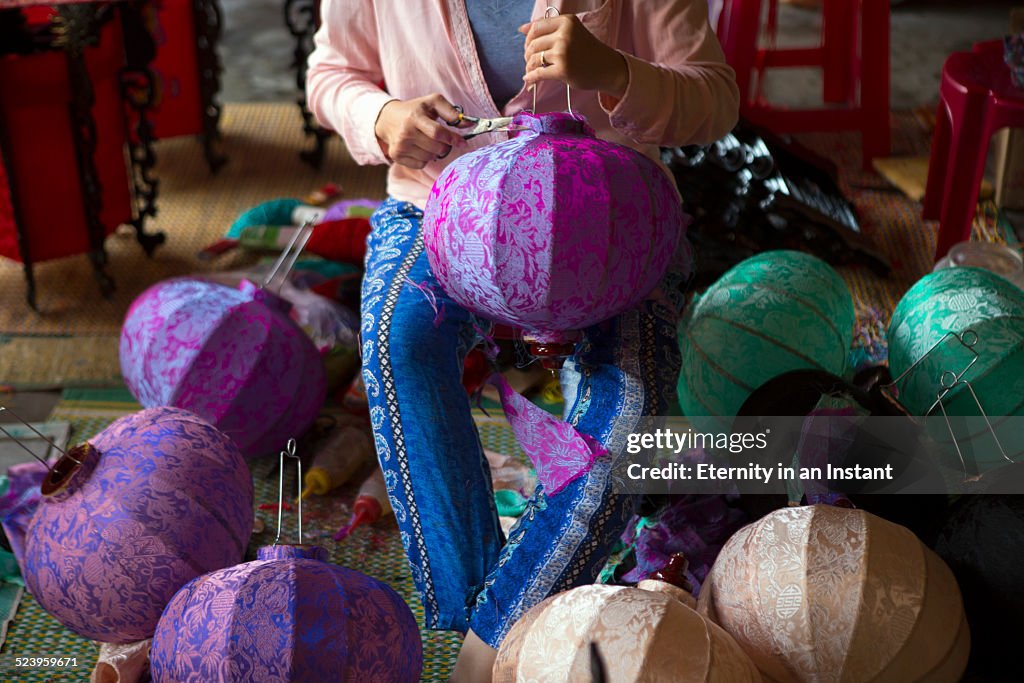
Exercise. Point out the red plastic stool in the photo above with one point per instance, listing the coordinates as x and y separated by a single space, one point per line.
853 55
977 98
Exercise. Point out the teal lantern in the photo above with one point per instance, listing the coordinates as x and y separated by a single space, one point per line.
965 323
775 312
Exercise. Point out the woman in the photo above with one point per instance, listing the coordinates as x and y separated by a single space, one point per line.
387 74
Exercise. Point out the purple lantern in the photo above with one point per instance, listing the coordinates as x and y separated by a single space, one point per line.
231 356
553 230
288 616
159 497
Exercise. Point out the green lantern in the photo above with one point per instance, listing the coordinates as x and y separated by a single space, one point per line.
928 328
775 312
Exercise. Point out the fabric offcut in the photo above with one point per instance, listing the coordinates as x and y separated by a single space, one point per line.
558 452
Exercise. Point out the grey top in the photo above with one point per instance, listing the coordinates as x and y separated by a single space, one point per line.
499 45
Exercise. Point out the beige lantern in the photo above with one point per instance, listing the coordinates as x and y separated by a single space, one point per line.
648 634
832 595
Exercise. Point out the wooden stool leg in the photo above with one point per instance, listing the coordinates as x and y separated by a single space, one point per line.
968 150
839 40
874 79
740 27
938 165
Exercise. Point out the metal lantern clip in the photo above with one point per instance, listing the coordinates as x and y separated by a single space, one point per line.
289 452
948 381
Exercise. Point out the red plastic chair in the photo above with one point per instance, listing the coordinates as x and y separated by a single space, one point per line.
977 98
853 55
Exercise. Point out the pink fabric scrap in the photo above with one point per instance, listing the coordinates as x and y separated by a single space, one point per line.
559 452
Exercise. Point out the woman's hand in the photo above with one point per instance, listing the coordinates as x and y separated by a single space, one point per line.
572 55
409 133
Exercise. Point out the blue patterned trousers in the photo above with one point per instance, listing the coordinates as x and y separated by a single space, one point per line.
437 476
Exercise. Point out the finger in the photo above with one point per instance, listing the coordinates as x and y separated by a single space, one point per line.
548 43
425 152
437 134
443 109
545 59
414 156
541 27
555 72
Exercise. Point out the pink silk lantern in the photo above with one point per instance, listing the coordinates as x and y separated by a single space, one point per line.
159 497
553 230
232 356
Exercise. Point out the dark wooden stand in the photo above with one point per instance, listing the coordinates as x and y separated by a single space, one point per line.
303 18
75 28
208 25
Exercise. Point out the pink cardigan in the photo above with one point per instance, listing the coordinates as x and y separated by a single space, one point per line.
680 89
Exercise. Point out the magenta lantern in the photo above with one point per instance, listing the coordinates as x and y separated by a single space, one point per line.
159 497
287 617
231 356
553 230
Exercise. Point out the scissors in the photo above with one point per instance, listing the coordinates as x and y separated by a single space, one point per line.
481 126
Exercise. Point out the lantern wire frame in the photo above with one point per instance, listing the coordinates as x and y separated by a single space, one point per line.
66 454
42 461
286 261
948 381
568 90
288 452
59 473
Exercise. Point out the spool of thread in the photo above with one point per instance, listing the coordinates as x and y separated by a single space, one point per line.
371 504
341 456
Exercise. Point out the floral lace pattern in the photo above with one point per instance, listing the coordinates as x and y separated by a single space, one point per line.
553 230
232 356
163 498
288 616
828 595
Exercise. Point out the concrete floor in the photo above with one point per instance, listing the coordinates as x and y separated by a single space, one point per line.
256 48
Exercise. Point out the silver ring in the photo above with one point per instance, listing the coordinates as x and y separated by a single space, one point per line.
543 61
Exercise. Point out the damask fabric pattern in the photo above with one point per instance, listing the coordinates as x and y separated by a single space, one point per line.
105 564
552 230
286 617
414 338
774 312
831 595
954 300
232 356
643 636
559 453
